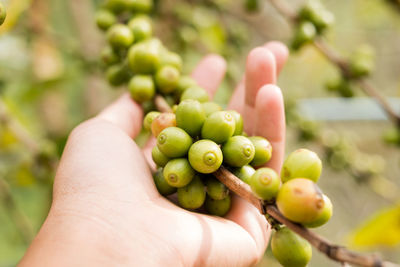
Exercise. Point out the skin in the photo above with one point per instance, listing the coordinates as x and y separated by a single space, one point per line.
106 210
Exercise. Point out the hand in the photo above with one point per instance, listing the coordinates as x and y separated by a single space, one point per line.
106 210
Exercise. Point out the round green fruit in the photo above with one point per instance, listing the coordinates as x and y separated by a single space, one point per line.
290 249
178 172
305 33
300 200
167 79
205 156
108 56
164 120
140 6
117 74
210 107
196 93
141 27
149 118
104 19
238 122
120 36
324 217
162 186
218 127
218 207
301 163
215 189
169 58
184 83
192 196
144 57
263 151
142 88
190 116
265 183
238 151
3 13
174 142
116 6
158 157
244 173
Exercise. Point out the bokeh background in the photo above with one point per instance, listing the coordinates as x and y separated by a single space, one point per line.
51 80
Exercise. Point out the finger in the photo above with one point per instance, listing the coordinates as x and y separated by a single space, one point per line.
124 113
148 147
280 52
210 72
270 122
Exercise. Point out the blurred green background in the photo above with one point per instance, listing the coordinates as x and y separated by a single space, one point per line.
51 80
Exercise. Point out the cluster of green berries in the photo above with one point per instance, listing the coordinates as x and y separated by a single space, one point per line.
313 19
194 142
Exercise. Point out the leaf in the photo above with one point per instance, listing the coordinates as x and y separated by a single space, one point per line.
382 229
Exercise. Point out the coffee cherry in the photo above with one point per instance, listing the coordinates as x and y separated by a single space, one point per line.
169 58
244 173
142 88
216 189
167 79
193 195
178 172
164 120
290 249
108 56
196 93
141 27
190 116
218 207
302 163
118 74
140 6
162 186
300 200
265 183
362 61
238 151
238 122
144 57
205 156
210 107
218 127
120 36
104 19
174 142
263 151
252 5
184 83
148 119
305 33
3 13
324 216
116 6
158 157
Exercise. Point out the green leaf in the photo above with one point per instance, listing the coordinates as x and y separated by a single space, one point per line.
382 229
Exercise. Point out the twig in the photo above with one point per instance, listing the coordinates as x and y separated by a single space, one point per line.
161 104
335 252
340 62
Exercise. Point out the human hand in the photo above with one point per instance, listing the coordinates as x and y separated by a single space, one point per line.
107 211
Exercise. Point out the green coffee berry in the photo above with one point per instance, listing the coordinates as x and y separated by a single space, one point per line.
148 119
178 172
196 93
300 200
317 14
362 61
244 173
105 19
218 207
190 116
158 157
216 189
218 127
305 33
116 6
140 6
141 27
324 216
301 163
192 196
263 151
164 120
117 74
142 88
238 151
290 249
108 56
265 183
238 122
3 13
184 83
210 107
144 57
174 142
148 106
167 78
120 36
169 58
205 156
162 186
